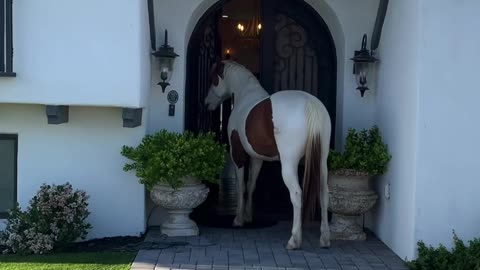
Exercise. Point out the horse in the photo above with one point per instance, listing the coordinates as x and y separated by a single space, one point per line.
288 125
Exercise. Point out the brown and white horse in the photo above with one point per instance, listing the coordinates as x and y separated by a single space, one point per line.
285 126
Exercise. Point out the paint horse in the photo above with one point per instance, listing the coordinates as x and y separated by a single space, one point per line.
285 126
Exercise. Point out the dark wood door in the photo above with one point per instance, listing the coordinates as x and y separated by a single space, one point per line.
204 50
298 51
297 54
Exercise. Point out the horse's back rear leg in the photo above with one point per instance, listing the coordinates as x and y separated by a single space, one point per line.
291 147
254 170
239 218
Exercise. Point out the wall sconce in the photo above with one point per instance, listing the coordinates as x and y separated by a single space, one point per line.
363 60
166 57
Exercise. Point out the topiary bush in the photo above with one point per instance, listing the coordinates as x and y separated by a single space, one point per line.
167 157
364 153
55 218
460 257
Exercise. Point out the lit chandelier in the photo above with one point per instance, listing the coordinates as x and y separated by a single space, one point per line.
250 29
250 26
248 32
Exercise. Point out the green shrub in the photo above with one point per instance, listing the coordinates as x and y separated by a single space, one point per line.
167 157
55 218
364 152
460 257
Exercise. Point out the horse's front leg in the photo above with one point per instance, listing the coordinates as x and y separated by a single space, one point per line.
240 219
254 170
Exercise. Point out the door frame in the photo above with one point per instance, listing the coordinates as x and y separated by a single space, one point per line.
189 84
289 8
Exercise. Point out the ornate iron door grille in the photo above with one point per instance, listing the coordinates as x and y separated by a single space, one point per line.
204 48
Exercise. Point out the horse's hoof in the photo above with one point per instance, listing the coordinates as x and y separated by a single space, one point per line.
292 244
237 222
324 242
248 219
291 247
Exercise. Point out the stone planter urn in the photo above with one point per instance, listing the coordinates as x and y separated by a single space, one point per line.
179 204
350 196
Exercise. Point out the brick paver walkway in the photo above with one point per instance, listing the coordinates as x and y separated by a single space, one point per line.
262 249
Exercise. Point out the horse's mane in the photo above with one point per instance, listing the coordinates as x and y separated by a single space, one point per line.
237 68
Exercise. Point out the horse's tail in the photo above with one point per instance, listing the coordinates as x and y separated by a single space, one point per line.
313 157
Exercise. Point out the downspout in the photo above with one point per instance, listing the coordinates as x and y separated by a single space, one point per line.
376 36
377 30
151 23
153 44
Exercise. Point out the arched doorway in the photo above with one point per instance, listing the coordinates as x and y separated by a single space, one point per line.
286 44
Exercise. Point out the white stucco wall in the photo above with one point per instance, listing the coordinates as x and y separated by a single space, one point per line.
427 96
396 103
86 152
356 18
79 53
97 53
173 16
448 176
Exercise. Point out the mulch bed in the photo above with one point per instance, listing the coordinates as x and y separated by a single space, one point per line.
116 244
124 243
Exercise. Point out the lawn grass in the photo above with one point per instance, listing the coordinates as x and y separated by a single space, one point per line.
69 261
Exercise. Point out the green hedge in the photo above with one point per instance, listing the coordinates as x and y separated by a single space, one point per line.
460 257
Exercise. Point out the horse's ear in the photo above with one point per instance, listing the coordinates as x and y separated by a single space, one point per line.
220 68
213 74
217 70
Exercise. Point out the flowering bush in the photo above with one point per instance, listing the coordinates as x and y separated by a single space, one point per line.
55 218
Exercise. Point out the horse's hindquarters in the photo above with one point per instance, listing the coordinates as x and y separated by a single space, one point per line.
289 119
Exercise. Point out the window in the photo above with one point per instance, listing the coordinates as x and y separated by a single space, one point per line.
6 39
8 173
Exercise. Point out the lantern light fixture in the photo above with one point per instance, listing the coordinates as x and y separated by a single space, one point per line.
363 60
166 57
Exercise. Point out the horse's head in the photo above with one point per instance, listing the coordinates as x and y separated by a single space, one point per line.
218 89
